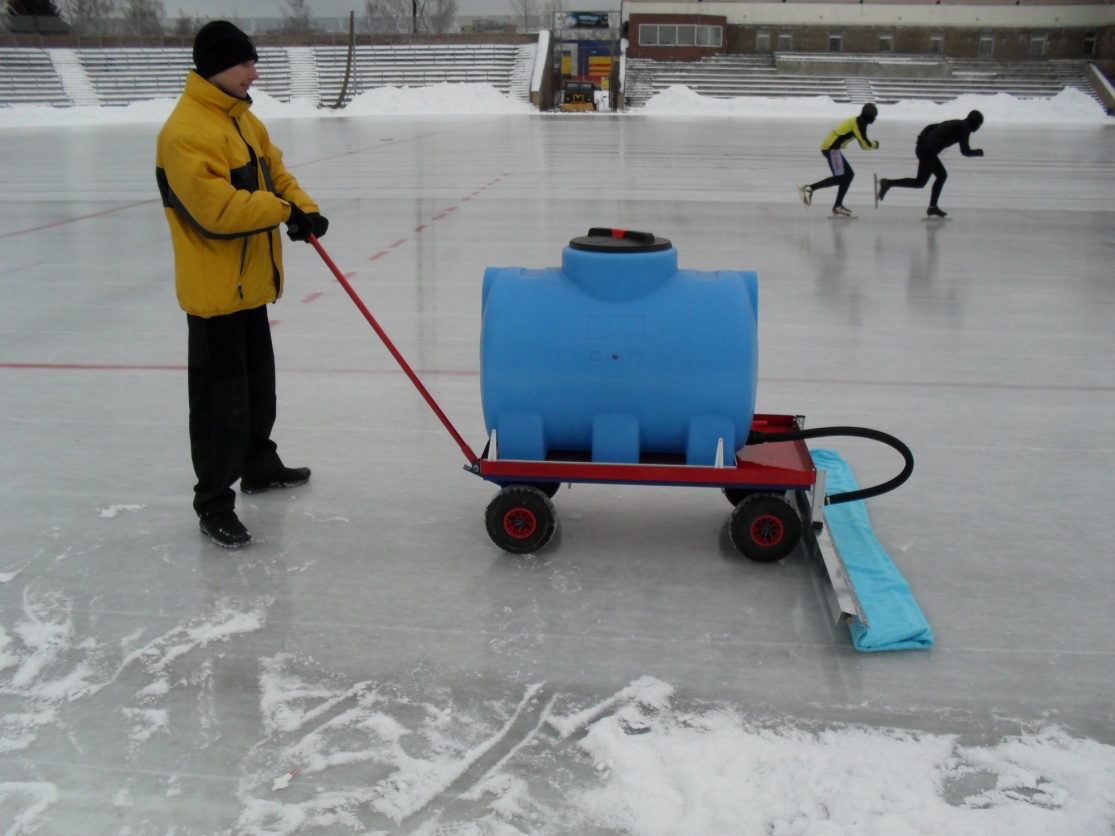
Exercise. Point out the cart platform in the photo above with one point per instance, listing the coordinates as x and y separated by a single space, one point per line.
775 465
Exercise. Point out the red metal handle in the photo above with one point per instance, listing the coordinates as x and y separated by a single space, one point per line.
473 459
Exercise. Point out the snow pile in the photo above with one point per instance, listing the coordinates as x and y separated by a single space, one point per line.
716 772
435 100
1068 106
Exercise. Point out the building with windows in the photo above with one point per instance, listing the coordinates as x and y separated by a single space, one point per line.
1006 30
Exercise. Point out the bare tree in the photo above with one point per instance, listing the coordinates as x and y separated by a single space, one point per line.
526 9
90 17
144 17
26 16
549 9
185 25
440 15
297 18
384 16
32 8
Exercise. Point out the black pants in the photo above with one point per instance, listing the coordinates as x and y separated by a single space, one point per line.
232 404
929 163
843 181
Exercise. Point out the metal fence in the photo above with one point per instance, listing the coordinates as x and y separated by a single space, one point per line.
27 30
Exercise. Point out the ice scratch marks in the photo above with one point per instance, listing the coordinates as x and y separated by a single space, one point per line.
475 792
380 755
283 694
646 690
37 640
451 772
24 802
145 722
46 664
222 623
385 754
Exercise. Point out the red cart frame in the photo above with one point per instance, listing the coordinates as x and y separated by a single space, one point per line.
780 466
777 493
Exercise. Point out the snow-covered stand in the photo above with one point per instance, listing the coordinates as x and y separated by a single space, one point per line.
618 353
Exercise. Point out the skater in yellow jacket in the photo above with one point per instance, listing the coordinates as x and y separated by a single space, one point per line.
225 191
832 149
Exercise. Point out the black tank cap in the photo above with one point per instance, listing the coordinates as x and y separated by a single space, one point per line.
605 240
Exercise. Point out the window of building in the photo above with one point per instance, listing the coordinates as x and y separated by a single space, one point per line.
1037 44
785 41
836 41
762 41
685 34
1089 44
986 46
936 44
886 43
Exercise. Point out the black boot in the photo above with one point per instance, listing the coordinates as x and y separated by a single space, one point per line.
225 530
283 477
934 212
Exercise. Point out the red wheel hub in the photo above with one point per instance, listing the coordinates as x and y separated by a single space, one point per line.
519 523
767 530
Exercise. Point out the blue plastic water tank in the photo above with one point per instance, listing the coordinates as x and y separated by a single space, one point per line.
618 353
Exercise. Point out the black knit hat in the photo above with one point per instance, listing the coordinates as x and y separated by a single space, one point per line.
219 45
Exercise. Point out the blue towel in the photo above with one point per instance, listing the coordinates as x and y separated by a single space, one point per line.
896 621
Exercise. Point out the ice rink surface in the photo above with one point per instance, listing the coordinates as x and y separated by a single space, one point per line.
154 683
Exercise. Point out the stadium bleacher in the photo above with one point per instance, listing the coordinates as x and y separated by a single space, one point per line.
118 76
27 76
730 76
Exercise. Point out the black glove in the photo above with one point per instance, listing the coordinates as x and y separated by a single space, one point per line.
321 224
299 226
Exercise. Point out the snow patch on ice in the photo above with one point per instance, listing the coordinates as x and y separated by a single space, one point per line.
725 774
113 510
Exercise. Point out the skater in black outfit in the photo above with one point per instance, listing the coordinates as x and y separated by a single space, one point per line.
931 142
832 149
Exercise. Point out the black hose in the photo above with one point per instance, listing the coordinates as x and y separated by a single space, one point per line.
757 437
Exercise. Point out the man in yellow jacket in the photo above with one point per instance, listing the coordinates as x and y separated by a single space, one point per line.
225 191
833 150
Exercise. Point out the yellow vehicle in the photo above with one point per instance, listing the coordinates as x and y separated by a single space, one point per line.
578 95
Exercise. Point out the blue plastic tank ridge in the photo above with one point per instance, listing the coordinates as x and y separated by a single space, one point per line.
618 352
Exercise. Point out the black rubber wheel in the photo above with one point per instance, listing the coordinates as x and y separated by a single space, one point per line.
737 495
548 488
520 519
765 527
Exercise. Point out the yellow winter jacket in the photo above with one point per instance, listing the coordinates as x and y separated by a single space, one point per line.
845 132
225 191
